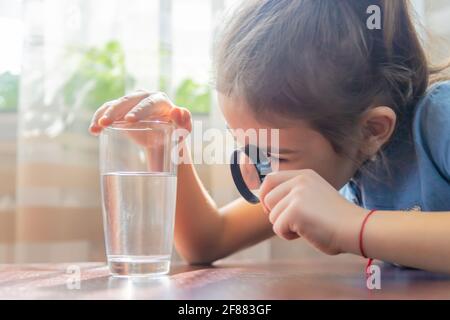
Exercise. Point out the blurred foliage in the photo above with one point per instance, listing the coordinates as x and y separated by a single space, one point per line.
100 77
189 94
194 96
9 91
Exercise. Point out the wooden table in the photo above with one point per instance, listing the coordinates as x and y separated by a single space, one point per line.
313 278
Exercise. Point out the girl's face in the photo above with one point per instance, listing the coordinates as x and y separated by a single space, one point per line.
300 147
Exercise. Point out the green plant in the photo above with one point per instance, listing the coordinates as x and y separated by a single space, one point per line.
9 91
99 77
194 96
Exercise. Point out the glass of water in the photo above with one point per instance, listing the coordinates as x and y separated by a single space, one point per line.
138 182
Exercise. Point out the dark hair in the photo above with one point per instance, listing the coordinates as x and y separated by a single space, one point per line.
317 60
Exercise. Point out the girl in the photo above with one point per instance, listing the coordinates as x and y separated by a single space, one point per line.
357 113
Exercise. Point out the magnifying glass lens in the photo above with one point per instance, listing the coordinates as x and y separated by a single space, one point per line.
249 167
249 173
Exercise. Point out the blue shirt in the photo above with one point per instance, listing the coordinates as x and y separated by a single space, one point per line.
416 174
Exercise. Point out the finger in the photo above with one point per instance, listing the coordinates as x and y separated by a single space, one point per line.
95 128
176 115
186 117
182 118
276 194
279 208
291 235
282 227
273 179
120 107
155 105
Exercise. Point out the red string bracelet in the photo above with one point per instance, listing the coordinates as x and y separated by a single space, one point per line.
361 246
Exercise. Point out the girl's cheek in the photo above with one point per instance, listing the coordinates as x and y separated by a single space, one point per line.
287 164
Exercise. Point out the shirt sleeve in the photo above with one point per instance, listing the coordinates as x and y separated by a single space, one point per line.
433 126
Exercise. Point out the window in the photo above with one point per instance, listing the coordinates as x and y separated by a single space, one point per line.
10 62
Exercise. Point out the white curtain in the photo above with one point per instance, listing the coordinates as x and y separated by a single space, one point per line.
78 54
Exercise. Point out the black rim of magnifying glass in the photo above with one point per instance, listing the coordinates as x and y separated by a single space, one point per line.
261 164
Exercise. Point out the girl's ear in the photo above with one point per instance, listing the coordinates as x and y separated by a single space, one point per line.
378 124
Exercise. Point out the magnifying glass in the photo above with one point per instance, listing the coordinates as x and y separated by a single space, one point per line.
249 166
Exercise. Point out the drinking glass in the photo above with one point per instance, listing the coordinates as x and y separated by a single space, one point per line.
138 184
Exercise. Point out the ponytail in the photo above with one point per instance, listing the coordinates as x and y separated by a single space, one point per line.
407 70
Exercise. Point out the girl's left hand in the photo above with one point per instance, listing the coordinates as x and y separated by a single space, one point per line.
300 203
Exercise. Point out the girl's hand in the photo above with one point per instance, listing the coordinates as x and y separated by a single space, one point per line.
140 105
300 203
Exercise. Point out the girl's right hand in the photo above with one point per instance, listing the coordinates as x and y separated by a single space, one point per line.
140 105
